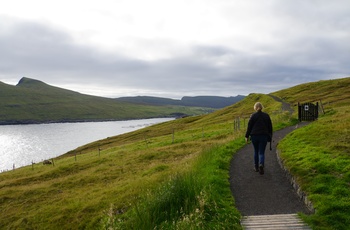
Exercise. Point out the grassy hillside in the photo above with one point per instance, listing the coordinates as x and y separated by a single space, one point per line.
174 175
319 154
33 101
330 93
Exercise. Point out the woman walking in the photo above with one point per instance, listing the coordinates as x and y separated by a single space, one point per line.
260 131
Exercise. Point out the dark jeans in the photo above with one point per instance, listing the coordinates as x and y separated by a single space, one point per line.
259 143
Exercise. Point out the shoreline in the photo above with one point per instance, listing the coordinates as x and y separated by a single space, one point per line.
35 122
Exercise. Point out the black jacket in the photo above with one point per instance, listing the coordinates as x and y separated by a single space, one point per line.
259 124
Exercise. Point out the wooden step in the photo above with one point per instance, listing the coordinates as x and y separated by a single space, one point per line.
273 222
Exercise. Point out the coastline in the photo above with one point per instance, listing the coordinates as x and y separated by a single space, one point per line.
36 122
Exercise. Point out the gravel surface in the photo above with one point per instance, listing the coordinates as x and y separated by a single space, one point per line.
266 194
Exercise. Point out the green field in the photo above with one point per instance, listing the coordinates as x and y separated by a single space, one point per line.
174 175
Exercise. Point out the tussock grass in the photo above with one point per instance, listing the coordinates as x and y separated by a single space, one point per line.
197 198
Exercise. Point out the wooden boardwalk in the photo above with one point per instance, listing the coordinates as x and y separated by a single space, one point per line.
273 222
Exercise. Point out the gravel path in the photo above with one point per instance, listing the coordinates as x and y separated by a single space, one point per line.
266 194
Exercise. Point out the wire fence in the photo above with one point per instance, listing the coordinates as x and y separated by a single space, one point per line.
177 136
237 125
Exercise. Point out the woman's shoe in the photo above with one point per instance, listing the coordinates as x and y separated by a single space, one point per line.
256 168
261 169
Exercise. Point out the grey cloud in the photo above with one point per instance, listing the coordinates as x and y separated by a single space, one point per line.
37 51
31 48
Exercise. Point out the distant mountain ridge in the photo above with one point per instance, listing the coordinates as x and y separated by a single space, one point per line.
216 102
33 101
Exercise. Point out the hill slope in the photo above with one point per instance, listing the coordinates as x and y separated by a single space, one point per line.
328 92
33 101
141 176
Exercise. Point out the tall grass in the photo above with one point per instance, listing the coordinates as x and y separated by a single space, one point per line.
199 198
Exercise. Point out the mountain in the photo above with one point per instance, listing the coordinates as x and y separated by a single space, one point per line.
33 101
199 101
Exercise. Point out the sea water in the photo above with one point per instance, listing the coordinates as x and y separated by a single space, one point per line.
20 145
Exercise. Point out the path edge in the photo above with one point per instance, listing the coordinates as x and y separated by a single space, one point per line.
302 195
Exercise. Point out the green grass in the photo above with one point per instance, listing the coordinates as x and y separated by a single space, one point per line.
174 175
198 198
330 93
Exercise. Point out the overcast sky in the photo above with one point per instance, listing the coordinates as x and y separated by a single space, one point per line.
174 48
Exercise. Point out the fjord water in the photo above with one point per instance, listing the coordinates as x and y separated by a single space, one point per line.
21 145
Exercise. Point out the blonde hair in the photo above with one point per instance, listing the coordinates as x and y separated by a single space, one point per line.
258 106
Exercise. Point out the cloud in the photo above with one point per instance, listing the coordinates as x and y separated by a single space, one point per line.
32 48
225 48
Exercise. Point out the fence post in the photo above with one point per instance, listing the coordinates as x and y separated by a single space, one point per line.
237 124
321 106
173 135
145 137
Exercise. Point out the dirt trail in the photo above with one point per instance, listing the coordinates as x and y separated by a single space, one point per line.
285 106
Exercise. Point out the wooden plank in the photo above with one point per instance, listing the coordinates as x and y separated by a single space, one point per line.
273 222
